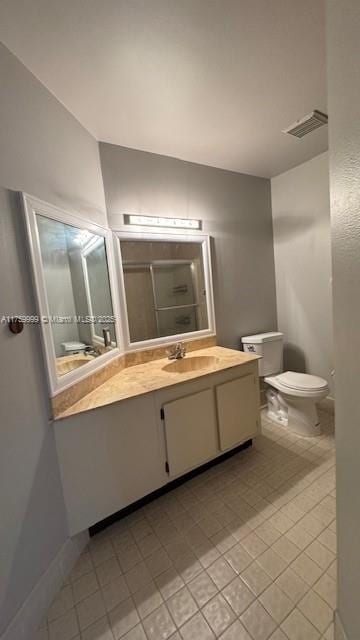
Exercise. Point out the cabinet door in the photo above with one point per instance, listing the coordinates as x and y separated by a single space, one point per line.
238 410
190 431
109 458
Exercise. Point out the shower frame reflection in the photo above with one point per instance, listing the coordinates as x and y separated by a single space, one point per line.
203 241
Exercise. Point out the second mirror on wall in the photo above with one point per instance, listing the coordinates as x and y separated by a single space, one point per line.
166 286
75 290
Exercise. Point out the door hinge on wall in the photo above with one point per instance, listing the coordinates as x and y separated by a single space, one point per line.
162 414
167 469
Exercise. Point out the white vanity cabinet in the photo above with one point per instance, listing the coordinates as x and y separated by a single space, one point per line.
109 458
117 454
237 408
190 432
205 417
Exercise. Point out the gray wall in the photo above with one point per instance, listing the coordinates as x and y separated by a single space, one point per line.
236 212
48 154
301 221
343 26
44 149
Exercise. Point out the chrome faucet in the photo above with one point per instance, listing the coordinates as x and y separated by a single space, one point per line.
177 351
91 350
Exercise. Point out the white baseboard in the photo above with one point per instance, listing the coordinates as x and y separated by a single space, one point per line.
31 614
339 629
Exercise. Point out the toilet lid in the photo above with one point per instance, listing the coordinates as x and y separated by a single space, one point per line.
301 381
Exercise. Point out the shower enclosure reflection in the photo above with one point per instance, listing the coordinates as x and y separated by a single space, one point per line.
164 287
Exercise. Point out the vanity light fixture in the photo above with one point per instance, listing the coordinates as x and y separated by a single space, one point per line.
156 221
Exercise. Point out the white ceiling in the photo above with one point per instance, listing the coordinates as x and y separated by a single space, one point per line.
210 81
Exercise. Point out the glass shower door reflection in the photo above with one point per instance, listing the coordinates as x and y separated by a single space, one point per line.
173 285
175 297
178 320
165 288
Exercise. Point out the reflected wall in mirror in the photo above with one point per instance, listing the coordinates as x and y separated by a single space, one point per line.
78 293
97 285
74 282
165 288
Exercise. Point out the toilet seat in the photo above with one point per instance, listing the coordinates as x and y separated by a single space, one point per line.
301 381
298 384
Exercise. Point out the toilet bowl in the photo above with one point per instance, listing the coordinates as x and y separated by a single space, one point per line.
292 399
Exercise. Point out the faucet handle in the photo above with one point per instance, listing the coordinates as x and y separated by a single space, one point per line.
181 348
177 350
171 350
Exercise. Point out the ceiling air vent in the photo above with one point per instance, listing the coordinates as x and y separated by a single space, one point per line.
308 123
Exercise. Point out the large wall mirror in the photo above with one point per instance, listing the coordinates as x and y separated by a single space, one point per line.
167 287
72 265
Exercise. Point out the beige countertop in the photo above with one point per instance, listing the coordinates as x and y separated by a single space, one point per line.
157 374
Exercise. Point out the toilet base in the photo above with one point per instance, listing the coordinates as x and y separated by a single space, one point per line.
298 414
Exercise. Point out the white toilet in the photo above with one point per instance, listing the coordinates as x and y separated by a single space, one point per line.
292 396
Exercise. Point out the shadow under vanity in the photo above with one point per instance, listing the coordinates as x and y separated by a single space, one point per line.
128 421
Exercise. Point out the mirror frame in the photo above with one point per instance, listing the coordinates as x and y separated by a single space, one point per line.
201 239
33 206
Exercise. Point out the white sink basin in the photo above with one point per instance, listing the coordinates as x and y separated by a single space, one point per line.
191 363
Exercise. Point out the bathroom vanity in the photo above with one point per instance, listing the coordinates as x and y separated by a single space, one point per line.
150 424
128 421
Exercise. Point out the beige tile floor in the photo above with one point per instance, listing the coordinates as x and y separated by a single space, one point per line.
244 551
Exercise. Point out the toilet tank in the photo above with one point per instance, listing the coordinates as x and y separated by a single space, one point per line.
70 348
270 347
